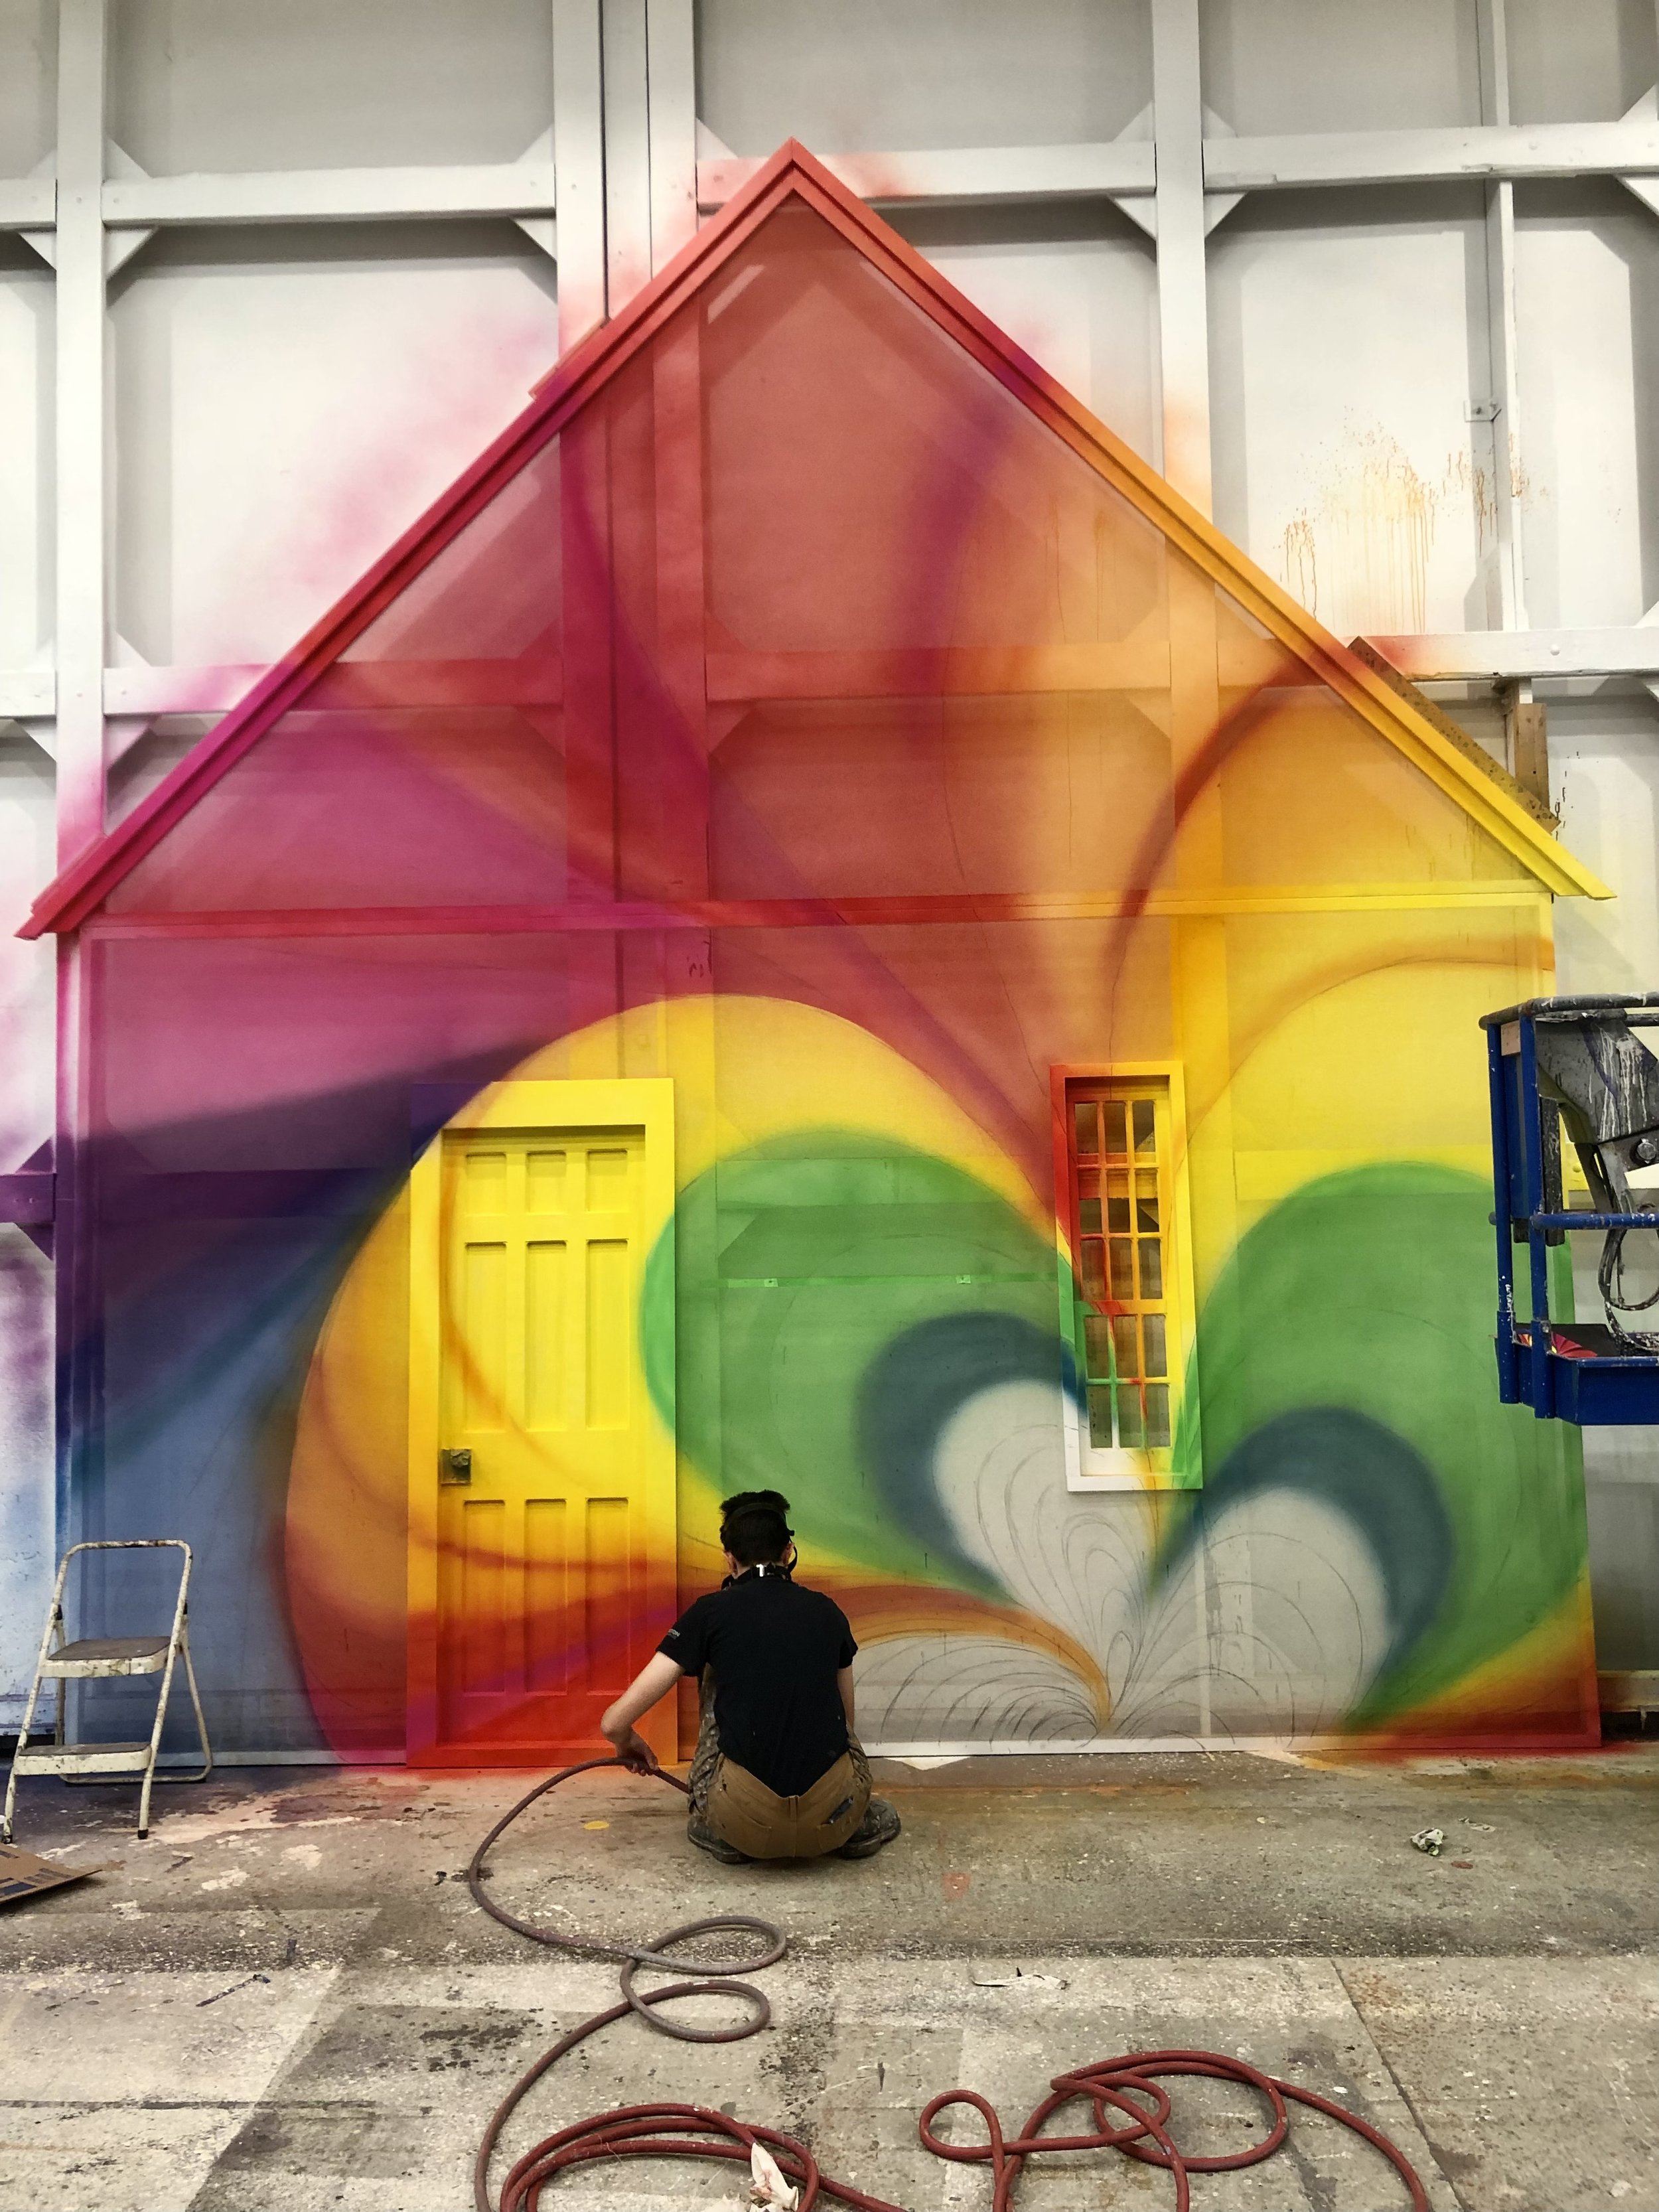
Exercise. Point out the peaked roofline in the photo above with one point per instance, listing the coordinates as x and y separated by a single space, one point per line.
81 887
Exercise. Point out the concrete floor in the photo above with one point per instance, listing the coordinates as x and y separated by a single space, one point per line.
285 1996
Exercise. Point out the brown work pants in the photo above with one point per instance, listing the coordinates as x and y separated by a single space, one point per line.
754 1820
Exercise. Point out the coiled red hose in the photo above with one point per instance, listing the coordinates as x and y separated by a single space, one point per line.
1131 2108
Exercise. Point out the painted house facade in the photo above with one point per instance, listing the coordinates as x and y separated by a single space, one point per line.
814 924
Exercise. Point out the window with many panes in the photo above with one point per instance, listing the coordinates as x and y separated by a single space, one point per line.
1121 1196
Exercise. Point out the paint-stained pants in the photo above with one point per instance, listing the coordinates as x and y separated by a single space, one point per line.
705 1759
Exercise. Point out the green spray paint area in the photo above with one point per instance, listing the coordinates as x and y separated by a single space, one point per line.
1368 1295
841 1299
829 1284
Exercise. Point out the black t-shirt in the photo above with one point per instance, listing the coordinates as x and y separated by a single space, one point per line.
775 1649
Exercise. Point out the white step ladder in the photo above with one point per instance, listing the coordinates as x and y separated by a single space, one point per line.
102 1657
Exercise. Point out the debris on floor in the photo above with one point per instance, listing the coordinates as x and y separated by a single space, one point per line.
22 1876
1116 1905
1432 1840
767 2184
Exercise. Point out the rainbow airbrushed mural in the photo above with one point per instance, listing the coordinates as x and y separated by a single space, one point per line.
813 925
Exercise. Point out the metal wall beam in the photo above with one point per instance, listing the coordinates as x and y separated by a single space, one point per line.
1116 169
506 188
650 140
80 426
1184 319
671 78
27 202
1628 147
1507 601
1612 654
27 694
1390 157
1514 655
627 153
579 165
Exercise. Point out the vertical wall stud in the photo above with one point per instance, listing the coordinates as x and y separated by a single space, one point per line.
80 426
1183 311
578 166
672 68
627 153
1507 603
81 624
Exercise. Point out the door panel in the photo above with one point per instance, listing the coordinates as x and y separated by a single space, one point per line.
543 1571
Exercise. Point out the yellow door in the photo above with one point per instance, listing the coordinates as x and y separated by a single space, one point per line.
548 1522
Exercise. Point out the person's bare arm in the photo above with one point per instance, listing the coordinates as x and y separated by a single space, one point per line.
654 1679
844 1684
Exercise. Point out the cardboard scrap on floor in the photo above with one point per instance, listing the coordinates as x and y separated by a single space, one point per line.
22 1876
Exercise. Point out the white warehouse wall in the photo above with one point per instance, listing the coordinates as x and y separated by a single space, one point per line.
283 398
1367 494
286 402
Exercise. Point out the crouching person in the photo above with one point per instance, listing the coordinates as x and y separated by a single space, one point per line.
778 1773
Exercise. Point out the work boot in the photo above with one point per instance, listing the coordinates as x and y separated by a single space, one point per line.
699 1831
878 1827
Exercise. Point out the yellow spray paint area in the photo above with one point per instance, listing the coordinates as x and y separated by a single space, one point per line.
855 1299
500 1316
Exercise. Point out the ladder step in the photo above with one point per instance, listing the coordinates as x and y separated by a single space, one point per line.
68 1758
108 1654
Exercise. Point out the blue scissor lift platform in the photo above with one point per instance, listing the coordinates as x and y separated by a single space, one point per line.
1580 1371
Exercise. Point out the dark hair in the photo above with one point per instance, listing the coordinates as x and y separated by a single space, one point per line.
755 1526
